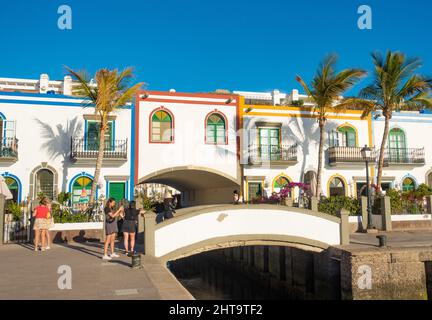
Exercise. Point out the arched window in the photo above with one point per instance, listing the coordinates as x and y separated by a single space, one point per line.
337 187
13 186
216 129
408 184
161 127
45 183
279 183
81 190
344 136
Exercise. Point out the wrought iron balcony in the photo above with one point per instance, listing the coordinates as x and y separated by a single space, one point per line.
8 149
348 155
82 149
273 155
404 156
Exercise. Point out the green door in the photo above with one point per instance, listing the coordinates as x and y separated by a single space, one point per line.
269 144
397 146
117 190
254 190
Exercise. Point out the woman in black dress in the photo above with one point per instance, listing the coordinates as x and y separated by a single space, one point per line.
130 226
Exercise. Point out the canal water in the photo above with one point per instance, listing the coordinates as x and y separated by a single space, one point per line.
207 279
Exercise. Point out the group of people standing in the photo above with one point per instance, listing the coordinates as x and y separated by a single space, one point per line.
128 228
44 221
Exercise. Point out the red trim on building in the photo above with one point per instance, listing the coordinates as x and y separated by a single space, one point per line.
190 102
172 126
226 127
237 126
137 136
189 94
152 97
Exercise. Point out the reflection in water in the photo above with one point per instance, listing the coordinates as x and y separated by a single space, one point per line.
206 278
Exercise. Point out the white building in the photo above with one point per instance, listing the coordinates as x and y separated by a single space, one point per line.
48 144
280 145
188 141
205 145
408 158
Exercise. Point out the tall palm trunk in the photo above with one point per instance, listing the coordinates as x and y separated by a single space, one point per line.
320 156
382 150
99 160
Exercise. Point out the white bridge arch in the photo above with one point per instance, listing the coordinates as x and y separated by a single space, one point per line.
206 228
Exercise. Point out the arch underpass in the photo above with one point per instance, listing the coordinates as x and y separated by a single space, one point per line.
206 228
199 185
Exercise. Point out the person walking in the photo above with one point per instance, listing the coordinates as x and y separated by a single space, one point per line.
41 214
129 227
111 228
49 224
168 208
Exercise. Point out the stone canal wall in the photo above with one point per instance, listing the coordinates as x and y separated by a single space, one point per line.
386 273
336 273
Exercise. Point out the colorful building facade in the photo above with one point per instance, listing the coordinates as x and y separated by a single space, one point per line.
49 143
205 145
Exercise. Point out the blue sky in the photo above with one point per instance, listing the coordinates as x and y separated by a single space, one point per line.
203 45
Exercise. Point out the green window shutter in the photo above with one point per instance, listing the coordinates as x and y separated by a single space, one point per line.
348 136
117 190
254 190
92 135
269 143
216 129
93 132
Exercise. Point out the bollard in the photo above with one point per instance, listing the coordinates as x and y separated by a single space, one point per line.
136 261
382 240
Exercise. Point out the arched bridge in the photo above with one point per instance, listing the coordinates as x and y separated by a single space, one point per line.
204 228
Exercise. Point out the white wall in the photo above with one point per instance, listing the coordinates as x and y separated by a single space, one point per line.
189 147
305 132
418 133
44 132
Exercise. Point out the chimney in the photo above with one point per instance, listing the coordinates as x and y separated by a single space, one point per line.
67 86
43 83
276 97
294 95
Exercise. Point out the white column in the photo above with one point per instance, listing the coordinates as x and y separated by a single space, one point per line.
294 95
276 97
43 83
67 86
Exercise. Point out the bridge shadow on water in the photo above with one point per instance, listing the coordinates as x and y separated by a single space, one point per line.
258 273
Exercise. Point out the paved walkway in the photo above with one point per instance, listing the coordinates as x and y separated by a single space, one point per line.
395 239
25 274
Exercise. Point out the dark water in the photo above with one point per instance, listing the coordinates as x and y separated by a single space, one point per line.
207 279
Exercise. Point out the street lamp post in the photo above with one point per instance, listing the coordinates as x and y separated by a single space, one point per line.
366 153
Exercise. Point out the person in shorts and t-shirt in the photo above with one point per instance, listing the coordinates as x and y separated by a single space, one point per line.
41 214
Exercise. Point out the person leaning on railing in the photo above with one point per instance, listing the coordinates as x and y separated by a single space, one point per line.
42 223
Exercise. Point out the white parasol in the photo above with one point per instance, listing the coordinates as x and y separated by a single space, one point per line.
4 189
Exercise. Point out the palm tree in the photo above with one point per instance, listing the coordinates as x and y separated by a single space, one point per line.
325 90
111 92
395 86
